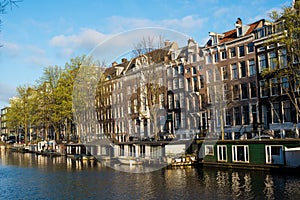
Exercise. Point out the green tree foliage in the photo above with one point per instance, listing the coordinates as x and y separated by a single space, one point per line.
48 104
23 110
286 28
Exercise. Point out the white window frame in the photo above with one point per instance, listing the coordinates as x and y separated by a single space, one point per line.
209 150
223 150
252 68
246 153
268 153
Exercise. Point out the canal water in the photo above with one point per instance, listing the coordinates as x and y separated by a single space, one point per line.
28 176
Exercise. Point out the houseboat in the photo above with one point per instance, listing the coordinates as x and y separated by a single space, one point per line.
254 154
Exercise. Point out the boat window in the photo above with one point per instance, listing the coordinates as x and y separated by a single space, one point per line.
209 150
222 153
240 153
274 154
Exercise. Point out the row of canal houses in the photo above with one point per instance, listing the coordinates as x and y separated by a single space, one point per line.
216 91
198 91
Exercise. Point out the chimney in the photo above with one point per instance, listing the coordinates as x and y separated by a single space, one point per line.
124 60
238 23
167 43
114 64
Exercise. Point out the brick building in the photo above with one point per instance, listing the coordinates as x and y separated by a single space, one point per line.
230 64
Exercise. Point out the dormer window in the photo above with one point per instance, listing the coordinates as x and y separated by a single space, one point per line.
240 31
215 37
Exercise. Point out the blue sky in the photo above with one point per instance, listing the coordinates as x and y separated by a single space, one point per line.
45 33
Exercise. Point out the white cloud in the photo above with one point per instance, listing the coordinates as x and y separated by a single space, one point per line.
11 49
186 23
36 56
86 39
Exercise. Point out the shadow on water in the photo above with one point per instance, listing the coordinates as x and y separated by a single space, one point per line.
28 176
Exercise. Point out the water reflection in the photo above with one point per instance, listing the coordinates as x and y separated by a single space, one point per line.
28 176
39 161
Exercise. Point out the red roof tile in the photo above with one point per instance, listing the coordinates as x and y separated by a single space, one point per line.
231 35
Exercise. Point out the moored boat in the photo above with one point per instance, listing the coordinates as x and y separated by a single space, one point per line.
129 160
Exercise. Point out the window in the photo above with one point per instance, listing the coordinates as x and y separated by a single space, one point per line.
222 153
274 154
264 90
217 75
244 88
175 71
272 60
170 101
180 82
252 70
201 81
181 69
223 55
243 69
225 91
224 73
241 51
250 47
240 153
284 85
254 113
209 150
228 117
246 115
129 107
237 115
275 112
234 71
208 59
177 121
176 101
135 106
262 62
183 120
175 83
209 76
208 94
195 80
274 86
253 89
204 120
194 70
236 92
187 70
232 52
240 31
182 100
282 58
170 85
188 82
216 56
161 101
144 104
287 111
